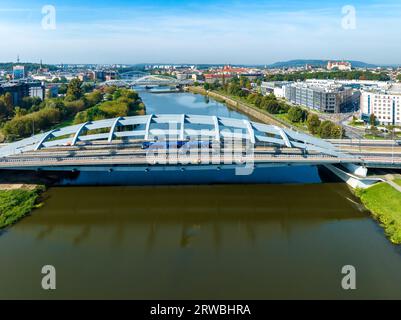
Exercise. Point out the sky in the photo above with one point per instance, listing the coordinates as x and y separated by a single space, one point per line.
195 32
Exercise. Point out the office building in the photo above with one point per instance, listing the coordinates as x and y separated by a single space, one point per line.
21 89
325 97
18 72
384 103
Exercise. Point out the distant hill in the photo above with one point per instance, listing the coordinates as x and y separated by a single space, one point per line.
320 63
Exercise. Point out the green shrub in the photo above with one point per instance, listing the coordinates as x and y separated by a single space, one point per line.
15 204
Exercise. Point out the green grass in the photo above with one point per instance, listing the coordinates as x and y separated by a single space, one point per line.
398 181
281 118
65 123
356 124
373 137
385 204
15 204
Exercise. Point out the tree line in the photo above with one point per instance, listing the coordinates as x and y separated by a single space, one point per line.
33 116
118 102
329 75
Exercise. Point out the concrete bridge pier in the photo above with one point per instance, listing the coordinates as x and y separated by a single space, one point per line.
358 170
355 176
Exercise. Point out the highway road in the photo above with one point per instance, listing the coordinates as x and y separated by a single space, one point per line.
137 156
359 151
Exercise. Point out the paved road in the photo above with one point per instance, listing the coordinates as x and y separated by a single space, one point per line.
140 157
371 153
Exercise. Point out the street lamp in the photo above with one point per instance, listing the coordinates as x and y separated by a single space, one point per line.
392 158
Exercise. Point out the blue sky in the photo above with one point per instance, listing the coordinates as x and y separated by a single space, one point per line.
248 32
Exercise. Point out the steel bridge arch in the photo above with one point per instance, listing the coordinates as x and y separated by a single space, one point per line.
170 127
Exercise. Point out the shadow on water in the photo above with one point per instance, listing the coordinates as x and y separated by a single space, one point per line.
226 241
195 204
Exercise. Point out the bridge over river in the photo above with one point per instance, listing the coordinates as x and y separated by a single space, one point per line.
117 145
148 80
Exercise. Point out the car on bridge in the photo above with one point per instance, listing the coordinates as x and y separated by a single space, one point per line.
162 145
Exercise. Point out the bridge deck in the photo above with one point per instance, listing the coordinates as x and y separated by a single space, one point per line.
118 142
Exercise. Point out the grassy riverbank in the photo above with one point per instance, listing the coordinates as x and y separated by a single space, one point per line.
15 204
385 204
239 105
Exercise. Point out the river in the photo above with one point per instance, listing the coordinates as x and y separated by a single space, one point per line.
199 242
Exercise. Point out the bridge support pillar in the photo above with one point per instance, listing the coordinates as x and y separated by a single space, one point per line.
355 169
351 179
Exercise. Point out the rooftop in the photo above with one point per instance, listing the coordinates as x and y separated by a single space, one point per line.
390 88
323 87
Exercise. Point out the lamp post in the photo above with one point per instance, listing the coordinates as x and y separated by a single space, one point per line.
392 158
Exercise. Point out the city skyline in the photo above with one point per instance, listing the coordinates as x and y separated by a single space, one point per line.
207 32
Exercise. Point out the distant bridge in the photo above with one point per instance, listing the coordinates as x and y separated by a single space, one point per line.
132 75
140 79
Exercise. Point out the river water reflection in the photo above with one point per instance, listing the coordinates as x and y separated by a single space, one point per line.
206 242
188 103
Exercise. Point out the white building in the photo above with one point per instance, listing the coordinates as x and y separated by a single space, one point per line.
385 104
275 87
340 65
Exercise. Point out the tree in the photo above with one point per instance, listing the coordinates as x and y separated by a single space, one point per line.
4 112
62 89
22 125
94 98
313 123
87 87
296 114
19 112
372 120
326 129
74 90
337 132
6 108
258 101
29 102
273 106
122 102
329 130
8 100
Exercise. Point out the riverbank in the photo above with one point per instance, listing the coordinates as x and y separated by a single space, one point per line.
384 202
242 107
16 203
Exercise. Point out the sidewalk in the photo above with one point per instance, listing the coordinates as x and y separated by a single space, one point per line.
394 185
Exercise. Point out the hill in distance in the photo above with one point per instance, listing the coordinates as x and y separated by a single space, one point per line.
320 63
